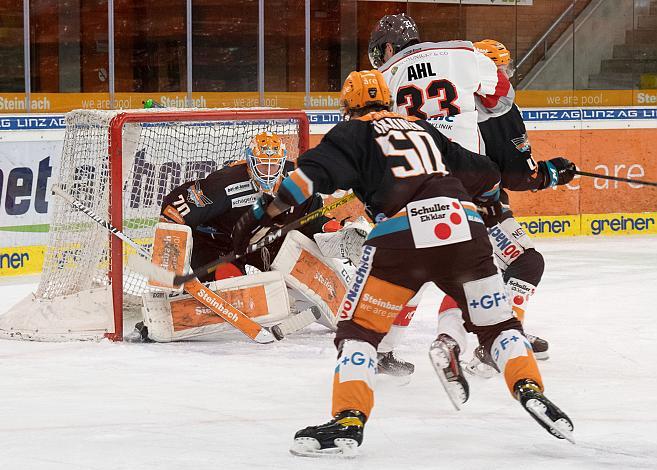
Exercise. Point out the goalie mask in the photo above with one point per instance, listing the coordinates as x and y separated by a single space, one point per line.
265 158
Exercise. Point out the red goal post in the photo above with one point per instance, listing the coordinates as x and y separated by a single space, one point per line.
121 164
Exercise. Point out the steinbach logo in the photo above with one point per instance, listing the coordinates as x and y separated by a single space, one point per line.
171 252
326 283
201 311
370 299
351 299
621 223
203 293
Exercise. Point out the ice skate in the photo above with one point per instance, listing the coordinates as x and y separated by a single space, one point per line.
539 346
389 364
139 334
481 364
444 355
546 413
340 437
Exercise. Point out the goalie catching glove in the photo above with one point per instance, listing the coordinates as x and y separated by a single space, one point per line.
345 243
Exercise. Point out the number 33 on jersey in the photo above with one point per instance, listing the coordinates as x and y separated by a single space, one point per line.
439 80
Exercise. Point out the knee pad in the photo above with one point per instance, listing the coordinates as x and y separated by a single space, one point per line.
528 267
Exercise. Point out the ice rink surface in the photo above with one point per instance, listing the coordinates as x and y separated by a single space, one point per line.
235 404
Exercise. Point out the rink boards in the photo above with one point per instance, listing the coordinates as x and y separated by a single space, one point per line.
610 141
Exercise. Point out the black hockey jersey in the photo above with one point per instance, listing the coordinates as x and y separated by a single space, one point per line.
389 161
213 205
506 143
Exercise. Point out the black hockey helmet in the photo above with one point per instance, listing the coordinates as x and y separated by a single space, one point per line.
399 30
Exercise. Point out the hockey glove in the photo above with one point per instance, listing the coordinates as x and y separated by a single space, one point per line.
254 220
491 212
556 171
347 242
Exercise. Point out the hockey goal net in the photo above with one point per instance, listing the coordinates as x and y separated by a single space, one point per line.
121 164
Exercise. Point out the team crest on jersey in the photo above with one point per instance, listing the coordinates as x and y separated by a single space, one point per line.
195 196
522 143
394 70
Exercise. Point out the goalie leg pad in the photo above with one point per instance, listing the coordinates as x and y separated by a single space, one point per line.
261 296
172 250
311 277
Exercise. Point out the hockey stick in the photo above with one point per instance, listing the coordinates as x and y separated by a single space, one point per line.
96 218
156 273
204 295
615 178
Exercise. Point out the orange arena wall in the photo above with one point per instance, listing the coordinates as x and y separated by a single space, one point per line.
628 153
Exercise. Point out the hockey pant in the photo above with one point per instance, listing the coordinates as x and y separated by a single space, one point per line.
385 286
522 268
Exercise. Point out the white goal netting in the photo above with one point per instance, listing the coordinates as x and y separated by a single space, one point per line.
158 150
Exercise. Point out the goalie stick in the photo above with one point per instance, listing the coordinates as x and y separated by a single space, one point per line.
207 297
156 273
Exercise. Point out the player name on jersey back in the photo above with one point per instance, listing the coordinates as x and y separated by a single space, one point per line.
437 81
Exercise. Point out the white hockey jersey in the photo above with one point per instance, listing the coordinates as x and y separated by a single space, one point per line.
438 81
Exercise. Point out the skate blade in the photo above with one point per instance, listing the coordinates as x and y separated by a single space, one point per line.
561 428
385 380
454 390
392 373
542 356
309 447
479 369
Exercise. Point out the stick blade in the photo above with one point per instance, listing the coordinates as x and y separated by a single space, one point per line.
151 271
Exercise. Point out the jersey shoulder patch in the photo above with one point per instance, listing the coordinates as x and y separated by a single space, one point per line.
196 196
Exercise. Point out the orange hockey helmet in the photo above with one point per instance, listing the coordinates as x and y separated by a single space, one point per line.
363 89
494 50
